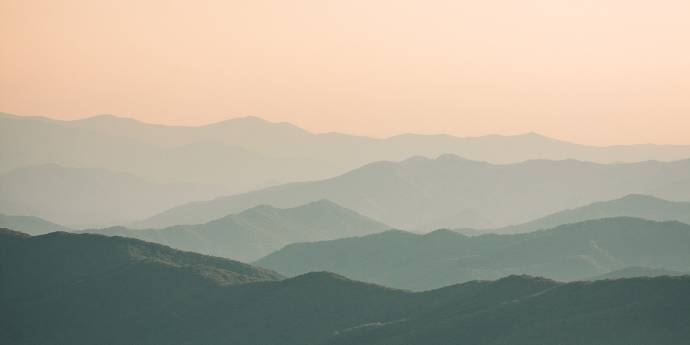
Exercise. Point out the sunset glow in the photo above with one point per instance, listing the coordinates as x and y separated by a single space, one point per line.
593 72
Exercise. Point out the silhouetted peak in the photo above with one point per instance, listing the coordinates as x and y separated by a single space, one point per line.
319 277
108 119
641 197
451 158
321 203
262 207
393 233
318 205
416 160
324 279
246 119
444 233
256 122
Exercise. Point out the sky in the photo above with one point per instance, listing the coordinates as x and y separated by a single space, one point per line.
596 72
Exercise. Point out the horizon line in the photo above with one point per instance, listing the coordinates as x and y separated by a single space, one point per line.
298 127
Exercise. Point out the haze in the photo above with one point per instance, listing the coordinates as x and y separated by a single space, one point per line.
593 72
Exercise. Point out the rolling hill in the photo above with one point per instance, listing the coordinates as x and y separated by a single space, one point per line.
451 192
39 262
128 291
568 314
256 232
568 252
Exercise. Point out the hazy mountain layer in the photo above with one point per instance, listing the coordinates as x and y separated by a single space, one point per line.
638 271
152 152
30 225
569 252
129 292
637 206
89 197
259 231
451 192
248 152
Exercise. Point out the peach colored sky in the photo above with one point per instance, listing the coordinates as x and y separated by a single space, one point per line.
589 71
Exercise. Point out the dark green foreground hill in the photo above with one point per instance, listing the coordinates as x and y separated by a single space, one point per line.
88 289
566 253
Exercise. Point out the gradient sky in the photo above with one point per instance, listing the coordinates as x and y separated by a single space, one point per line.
589 71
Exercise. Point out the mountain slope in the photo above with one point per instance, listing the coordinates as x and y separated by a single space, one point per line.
568 314
83 197
30 225
136 292
422 194
39 262
259 231
569 252
638 206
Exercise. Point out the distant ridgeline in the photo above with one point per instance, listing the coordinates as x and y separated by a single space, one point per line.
256 232
106 171
424 194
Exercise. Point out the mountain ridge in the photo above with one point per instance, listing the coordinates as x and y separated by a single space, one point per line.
631 205
426 261
30 225
425 194
257 231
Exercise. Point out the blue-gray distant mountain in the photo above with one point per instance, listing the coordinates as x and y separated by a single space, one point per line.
245 153
638 271
79 197
569 252
123 291
634 205
451 192
259 231
30 225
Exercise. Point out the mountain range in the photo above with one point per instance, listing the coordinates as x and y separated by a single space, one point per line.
451 192
161 154
81 197
568 252
256 232
246 153
128 291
